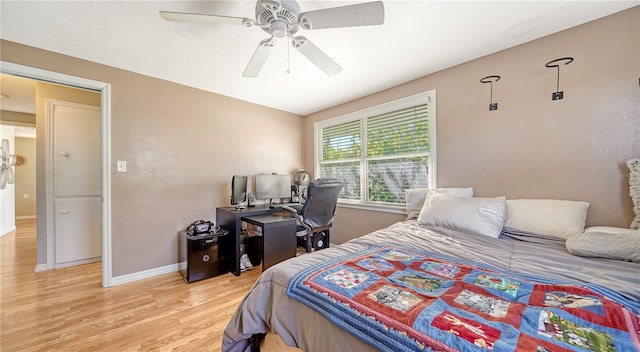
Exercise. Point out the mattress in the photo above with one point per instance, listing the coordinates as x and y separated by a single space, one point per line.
268 309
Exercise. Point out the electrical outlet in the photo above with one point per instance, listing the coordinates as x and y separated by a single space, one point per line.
121 166
25 196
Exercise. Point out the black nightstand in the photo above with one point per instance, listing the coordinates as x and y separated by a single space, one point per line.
201 255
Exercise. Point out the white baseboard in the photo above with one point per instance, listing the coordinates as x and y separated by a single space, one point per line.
26 217
124 279
45 266
77 262
8 231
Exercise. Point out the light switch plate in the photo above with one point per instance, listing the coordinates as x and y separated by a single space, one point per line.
121 166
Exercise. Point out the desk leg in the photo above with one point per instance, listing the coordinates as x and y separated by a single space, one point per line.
230 246
278 243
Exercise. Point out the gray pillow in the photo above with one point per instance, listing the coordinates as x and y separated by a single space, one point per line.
624 245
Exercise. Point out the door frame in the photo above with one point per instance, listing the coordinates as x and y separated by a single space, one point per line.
105 115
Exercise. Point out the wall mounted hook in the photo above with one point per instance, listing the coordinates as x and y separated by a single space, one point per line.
490 80
557 95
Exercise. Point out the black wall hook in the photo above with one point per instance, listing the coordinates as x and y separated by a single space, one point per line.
490 80
557 95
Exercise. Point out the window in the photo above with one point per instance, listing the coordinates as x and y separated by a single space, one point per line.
379 152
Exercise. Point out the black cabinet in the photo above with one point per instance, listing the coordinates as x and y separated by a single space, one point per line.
201 256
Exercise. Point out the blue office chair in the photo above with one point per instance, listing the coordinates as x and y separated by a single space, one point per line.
315 217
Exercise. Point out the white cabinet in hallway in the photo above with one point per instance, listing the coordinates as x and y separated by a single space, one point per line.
76 155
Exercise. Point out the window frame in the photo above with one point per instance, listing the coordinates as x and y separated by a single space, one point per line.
404 103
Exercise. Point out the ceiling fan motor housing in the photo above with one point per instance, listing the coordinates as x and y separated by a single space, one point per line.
278 18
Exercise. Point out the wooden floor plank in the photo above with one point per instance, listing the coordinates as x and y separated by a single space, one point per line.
67 309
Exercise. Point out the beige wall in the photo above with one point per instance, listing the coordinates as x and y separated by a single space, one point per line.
531 147
181 144
17 117
26 178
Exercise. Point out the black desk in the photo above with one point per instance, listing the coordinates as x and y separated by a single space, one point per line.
278 237
230 219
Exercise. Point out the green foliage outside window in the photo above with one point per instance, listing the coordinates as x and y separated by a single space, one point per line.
396 157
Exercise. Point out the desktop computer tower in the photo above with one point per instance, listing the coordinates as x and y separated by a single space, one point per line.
199 257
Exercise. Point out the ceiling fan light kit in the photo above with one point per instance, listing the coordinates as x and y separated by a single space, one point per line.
283 19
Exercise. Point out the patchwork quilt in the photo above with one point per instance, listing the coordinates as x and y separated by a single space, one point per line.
400 298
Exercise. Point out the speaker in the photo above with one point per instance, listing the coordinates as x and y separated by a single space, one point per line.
320 240
251 199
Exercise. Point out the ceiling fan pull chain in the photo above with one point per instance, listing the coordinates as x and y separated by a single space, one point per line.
288 57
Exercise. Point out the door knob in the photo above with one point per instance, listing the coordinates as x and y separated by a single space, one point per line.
64 212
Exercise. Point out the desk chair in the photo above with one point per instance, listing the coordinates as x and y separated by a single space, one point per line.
316 216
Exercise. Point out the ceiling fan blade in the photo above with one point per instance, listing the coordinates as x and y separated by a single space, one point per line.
4 179
366 14
202 18
259 58
5 148
11 176
6 168
317 56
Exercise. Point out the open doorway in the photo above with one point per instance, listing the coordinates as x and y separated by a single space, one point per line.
45 196
18 118
17 129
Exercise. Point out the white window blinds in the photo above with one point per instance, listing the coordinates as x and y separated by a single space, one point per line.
378 156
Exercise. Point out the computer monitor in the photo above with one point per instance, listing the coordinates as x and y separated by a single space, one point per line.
238 190
270 186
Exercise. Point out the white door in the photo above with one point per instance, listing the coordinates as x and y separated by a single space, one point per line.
77 182
78 229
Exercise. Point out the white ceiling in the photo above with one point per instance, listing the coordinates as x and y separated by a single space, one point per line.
417 38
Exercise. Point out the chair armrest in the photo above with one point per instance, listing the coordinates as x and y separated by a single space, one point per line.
293 211
298 217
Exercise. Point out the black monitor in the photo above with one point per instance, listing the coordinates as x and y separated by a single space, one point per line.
238 190
270 186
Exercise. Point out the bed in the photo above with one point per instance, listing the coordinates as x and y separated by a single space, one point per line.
564 303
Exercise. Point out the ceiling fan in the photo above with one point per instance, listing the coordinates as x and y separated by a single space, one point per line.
282 18
8 161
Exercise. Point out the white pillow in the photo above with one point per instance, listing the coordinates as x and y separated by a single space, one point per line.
415 197
483 216
556 218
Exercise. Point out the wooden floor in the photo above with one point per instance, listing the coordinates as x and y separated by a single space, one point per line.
68 310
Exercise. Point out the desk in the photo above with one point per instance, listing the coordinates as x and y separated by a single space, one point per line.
230 219
278 237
